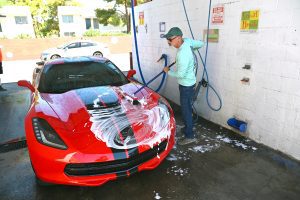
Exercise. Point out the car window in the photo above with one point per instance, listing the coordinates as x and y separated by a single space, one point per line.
73 45
86 44
63 77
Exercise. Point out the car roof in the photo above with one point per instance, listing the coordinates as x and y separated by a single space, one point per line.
81 41
76 60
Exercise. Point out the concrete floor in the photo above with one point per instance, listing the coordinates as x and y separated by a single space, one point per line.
222 165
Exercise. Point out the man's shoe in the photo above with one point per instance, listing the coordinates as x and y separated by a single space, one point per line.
187 141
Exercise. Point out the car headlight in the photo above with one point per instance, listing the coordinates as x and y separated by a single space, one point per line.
46 135
164 112
44 56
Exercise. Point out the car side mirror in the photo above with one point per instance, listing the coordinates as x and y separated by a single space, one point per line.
37 70
24 83
131 73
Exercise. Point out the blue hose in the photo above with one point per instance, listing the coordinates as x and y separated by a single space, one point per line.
135 42
164 56
204 63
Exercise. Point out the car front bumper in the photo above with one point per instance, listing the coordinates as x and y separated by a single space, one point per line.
70 167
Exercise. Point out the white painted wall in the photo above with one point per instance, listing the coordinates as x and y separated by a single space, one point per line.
271 102
9 27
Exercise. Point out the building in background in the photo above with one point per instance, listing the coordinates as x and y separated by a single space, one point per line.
76 20
16 22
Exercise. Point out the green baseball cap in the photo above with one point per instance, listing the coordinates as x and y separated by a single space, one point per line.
175 31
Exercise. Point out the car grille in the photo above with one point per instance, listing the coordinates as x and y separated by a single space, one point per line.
87 169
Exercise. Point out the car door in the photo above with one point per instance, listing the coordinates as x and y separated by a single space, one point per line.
86 48
73 49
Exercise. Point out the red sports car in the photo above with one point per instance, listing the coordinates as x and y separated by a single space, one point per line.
85 126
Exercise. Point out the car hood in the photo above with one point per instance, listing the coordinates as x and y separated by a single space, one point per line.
110 116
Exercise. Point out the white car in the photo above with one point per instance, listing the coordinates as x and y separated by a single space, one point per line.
76 48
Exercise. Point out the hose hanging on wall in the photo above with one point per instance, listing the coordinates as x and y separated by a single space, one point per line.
164 56
135 42
203 82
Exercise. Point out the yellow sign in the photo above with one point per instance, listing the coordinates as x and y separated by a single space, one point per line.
141 18
249 21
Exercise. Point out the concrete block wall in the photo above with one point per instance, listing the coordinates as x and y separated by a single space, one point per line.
270 104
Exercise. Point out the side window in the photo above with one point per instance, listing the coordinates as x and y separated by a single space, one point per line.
73 45
69 34
88 23
21 20
67 19
86 44
96 23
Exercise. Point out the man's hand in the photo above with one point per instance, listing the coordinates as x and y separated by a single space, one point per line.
166 69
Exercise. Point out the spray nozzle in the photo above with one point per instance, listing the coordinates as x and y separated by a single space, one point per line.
204 82
163 56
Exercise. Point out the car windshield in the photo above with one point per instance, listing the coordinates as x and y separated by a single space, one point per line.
60 78
62 46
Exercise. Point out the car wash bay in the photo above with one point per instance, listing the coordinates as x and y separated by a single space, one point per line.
221 165
254 69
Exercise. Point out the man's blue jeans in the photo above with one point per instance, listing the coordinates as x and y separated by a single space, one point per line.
186 96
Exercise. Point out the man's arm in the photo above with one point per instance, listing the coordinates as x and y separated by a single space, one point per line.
196 44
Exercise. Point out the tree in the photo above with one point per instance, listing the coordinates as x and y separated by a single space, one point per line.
44 14
115 16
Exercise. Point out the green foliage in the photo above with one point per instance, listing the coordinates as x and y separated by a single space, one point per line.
23 36
96 33
44 14
4 3
118 15
92 33
109 16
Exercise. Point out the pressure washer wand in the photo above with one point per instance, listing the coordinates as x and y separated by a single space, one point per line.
153 78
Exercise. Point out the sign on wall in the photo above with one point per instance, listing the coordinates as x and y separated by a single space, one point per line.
141 18
162 26
213 35
249 21
218 14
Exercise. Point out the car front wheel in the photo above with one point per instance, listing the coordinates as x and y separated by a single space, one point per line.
55 56
98 54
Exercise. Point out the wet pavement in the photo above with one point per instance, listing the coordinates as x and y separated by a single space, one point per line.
221 165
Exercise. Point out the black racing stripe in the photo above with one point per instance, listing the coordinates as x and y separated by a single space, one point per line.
118 153
125 133
89 95
133 151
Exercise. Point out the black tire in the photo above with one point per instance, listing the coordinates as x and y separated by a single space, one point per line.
55 56
98 54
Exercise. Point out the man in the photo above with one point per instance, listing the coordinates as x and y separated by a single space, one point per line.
185 74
